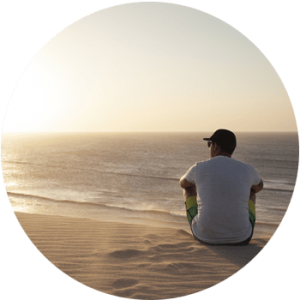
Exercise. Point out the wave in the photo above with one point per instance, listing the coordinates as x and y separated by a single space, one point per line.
111 210
278 208
16 162
94 170
279 190
146 176
90 170
108 206
160 214
51 199
267 224
277 160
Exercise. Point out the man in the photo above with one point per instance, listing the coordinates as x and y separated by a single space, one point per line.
225 211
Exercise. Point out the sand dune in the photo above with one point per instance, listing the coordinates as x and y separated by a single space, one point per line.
134 261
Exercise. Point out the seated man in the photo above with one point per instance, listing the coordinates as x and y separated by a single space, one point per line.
224 213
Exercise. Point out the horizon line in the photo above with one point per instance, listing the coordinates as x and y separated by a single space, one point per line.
240 131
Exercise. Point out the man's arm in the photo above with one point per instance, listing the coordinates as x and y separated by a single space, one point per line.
184 183
257 188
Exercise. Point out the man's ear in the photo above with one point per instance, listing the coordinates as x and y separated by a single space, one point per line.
216 147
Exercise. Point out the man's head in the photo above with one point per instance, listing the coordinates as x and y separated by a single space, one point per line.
222 142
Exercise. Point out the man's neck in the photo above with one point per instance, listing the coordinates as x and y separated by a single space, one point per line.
224 154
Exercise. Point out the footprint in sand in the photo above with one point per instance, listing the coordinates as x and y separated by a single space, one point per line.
124 283
147 242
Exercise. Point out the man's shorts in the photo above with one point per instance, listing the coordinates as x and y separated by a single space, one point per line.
251 209
192 209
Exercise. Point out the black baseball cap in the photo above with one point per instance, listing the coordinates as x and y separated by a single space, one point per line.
225 139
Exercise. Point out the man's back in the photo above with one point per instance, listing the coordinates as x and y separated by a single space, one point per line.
223 188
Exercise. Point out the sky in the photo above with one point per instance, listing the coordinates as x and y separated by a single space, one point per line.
149 67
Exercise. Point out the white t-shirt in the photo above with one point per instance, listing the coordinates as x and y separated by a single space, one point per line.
223 188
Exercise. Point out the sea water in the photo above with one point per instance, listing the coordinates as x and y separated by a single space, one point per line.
133 177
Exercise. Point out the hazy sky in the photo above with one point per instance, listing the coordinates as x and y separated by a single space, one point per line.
149 67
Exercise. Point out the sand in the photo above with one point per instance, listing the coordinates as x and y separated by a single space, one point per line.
135 261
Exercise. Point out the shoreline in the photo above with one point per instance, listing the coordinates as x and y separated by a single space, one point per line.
261 228
133 260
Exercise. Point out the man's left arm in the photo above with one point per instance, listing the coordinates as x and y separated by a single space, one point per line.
258 187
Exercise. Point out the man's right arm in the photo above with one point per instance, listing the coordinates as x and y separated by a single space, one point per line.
257 188
184 183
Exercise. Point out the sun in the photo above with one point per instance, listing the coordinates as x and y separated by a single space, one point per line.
37 102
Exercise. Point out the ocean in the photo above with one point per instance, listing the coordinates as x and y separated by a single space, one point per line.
133 177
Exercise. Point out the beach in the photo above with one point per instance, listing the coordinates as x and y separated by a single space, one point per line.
136 261
106 208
